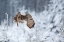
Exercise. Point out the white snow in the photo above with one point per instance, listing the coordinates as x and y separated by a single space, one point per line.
46 27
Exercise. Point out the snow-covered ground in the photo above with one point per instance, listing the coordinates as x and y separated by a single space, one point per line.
47 26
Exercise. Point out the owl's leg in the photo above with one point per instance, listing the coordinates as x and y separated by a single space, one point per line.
17 23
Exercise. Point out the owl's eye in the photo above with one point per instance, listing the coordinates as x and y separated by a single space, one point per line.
31 19
19 17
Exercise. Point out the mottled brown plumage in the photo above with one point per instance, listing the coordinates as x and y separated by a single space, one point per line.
20 18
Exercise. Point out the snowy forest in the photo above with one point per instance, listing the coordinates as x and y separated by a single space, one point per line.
48 16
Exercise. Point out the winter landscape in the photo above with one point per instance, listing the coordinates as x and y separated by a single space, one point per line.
48 25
